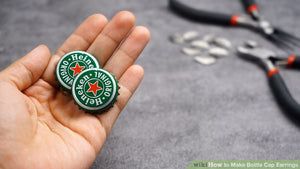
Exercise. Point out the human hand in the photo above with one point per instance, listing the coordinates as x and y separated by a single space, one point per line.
40 126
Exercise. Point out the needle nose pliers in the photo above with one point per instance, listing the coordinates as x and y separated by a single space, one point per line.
254 21
269 61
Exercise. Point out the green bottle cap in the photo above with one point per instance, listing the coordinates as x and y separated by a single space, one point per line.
95 90
71 64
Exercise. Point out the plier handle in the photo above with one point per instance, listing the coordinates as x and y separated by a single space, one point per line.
292 61
215 17
252 8
269 60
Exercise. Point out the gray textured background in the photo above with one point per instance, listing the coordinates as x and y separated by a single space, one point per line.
182 111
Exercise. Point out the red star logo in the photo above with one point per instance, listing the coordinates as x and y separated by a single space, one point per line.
94 88
77 69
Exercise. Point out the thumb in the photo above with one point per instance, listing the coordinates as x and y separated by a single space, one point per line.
27 70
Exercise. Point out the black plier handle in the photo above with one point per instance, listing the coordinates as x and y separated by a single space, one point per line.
252 8
279 88
202 15
217 18
292 61
282 93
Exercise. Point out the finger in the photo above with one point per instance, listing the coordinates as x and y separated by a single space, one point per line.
84 35
128 52
27 70
111 36
128 83
81 39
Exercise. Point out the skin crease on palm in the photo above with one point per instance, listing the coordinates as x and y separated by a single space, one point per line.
40 126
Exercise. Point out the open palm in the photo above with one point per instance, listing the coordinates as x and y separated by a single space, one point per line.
40 126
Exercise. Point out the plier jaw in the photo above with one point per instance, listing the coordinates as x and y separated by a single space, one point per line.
260 25
258 54
266 27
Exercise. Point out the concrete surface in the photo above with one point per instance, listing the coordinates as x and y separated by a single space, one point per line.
182 111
